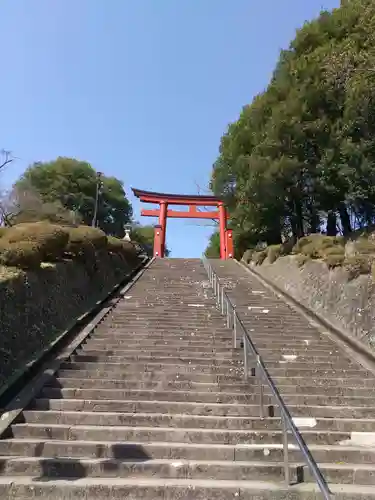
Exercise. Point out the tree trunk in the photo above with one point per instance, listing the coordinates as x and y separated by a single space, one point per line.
297 220
345 220
331 224
314 222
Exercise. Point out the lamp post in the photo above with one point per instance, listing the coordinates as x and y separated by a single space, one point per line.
99 185
127 229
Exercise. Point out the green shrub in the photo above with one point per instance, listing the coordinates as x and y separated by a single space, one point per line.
22 254
122 247
86 240
287 247
273 253
247 256
357 265
50 239
363 246
259 257
337 250
115 245
334 260
319 246
301 259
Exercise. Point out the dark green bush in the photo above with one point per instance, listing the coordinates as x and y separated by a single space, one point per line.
273 253
334 260
247 256
115 245
357 265
259 257
123 248
301 259
50 239
23 254
319 246
84 240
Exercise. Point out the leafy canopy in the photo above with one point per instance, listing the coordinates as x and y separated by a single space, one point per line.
301 157
73 184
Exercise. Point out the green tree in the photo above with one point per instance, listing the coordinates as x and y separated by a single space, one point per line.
301 156
213 248
144 235
73 184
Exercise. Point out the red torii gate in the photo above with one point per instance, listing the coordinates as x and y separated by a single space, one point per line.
192 201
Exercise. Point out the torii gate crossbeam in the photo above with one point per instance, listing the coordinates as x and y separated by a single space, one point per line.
192 201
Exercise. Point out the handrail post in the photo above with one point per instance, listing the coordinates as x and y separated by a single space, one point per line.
228 314
245 356
234 328
285 452
261 388
222 300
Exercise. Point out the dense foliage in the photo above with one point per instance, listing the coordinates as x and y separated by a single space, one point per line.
68 187
29 244
301 158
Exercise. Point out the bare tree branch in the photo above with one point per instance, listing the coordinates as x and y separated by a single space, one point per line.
204 209
7 158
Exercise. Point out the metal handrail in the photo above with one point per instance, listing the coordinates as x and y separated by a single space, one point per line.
234 321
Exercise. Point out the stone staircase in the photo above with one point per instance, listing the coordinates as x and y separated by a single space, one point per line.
154 404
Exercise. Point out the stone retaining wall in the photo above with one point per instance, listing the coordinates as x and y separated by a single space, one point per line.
348 305
36 307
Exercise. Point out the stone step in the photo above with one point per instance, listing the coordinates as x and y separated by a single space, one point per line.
162 354
158 344
50 468
164 326
116 370
152 395
313 373
193 435
191 348
166 336
182 451
133 368
144 358
192 421
204 397
149 376
194 408
328 382
25 487
208 378
209 350
276 367
163 383
169 383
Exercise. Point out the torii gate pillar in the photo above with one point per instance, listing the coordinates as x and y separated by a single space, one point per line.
194 201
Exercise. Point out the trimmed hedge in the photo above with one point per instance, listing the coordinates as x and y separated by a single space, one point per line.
50 239
85 241
23 254
27 245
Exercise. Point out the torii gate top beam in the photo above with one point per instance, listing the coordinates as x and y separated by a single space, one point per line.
177 199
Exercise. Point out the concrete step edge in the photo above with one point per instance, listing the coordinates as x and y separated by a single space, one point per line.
236 486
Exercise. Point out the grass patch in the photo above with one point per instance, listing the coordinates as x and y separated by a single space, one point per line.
247 256
273 253
357 265
259 257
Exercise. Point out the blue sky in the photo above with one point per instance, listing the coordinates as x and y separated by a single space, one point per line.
142 89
